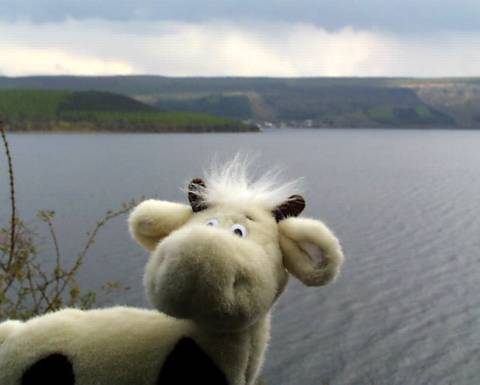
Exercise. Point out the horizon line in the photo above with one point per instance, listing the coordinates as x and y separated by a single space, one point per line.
239 76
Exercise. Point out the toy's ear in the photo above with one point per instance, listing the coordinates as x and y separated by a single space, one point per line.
152 220
310 250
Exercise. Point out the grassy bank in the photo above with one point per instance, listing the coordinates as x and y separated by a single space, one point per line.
51 110
303 102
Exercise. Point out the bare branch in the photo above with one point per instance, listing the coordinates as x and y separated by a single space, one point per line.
91 240
12 193
47 217
26 287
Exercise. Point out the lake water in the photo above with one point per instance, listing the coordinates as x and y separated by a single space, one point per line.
405 204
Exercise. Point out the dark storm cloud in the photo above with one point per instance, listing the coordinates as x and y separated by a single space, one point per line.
387 15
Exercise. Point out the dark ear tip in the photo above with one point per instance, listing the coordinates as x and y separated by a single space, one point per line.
297 198
194 195
196 182
300 200
292 207
297 204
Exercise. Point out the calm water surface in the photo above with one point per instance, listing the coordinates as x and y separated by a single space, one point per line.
406 205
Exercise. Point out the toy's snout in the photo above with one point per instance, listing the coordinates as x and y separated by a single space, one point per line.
212 276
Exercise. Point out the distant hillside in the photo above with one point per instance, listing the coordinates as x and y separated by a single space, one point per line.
315 102
48 110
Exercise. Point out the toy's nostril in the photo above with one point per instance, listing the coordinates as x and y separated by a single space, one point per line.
238 281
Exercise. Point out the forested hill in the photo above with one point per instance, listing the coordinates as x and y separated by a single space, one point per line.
57 110
316 102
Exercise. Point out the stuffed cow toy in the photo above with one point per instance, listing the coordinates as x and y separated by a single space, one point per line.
216 268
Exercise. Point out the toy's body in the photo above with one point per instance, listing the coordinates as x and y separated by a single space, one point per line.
216 269
125 346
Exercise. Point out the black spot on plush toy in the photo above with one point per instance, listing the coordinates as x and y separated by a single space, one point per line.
55 369
216 268
200 366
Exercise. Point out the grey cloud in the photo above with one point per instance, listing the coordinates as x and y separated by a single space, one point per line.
227 49
387 15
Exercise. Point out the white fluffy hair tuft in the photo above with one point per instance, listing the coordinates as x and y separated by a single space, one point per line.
235 182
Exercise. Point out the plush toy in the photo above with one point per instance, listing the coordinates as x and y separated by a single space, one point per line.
216 268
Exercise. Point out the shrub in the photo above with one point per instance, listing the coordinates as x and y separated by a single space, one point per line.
27 286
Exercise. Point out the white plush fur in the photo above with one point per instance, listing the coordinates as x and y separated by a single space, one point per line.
7 328
234 183
206 282
153 220
311 252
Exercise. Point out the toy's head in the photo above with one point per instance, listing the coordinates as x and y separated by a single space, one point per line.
223 260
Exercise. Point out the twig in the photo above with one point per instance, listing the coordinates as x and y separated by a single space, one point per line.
32 289
12 194
69 276
42 288
57 272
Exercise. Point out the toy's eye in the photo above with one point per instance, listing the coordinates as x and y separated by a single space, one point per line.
212 222
239 230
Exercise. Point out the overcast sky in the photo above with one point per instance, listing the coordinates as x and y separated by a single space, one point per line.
242 38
